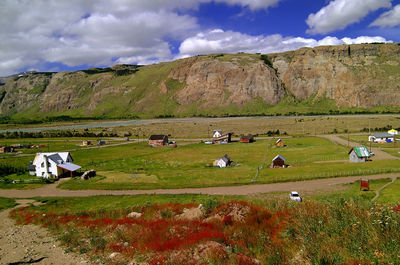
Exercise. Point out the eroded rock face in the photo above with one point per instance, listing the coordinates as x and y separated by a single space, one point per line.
215 82
363 75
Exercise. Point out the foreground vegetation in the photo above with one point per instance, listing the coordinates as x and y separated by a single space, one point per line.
338 229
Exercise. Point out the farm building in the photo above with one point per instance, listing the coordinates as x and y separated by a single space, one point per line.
6 149
280 143
393 132
217 133
359 154
158 140
86 143
223 139
278 161
48 165
223 161
381 138
247 139
101 142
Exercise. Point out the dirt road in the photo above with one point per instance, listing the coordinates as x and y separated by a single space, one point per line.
379 154
309 185
31 244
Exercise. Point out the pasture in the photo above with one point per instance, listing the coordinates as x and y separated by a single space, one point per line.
138 166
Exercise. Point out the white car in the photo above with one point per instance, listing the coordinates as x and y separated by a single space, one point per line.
294 195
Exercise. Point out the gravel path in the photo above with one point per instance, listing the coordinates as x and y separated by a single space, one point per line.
309 185
379 154
31 244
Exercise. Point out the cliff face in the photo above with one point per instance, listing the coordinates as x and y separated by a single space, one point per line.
352 75
366 75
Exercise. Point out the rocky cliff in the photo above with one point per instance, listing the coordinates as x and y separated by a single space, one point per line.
363 76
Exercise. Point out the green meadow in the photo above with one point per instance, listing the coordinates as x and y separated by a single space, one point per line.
138 166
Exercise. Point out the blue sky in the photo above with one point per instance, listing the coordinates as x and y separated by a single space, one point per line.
58 35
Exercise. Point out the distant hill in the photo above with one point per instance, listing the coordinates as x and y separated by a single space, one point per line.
326 79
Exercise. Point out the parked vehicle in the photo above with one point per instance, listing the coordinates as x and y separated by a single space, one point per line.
294 195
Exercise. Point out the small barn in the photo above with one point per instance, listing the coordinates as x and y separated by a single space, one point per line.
381 138
280 143
359 154
223 161
393 132
247 139
278 161
101 142
158 140
48 165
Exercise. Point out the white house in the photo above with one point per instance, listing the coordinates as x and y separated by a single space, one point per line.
48 165
381 138
223 161
217 133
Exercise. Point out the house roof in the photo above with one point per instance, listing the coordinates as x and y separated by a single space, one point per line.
56 158
226 158
361 151
393 131
62 155
382 135
246 137
279 140
279 156
157 137
69 166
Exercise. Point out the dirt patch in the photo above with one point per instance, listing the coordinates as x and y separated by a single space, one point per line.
31 243
190 214
236 211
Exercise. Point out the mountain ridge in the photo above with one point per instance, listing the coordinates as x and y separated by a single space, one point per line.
323 79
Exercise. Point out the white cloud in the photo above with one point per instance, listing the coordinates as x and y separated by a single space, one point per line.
252 4
96 32
218 41
388 19
338 14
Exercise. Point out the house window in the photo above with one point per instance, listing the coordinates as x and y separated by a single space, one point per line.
42 164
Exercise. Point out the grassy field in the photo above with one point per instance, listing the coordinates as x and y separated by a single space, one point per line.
137 166
203 127
195 128
6 203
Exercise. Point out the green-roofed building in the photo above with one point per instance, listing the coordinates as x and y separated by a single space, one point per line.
359 154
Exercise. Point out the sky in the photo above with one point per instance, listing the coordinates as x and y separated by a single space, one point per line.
64 35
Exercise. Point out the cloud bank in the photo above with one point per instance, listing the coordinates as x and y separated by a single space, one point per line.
219 41
338 14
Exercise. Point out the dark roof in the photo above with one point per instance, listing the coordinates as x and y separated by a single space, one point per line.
247 137
56 158
31 166
226 158
157 137
383 135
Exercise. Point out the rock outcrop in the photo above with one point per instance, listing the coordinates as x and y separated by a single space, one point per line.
363 76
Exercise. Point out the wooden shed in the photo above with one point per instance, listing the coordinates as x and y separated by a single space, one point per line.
158 140
280 143
247 139
278 161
